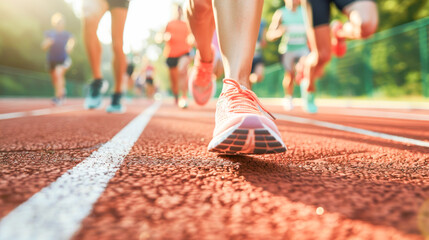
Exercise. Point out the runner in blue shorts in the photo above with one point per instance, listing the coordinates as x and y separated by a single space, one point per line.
58 43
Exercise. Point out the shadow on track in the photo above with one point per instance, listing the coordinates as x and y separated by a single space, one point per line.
379 196
363 139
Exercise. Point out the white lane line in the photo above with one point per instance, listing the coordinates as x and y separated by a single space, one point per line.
352 130
57 211
12 115
40 112
379 114
348 103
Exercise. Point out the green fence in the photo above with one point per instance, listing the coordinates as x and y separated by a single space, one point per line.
19 82
392 63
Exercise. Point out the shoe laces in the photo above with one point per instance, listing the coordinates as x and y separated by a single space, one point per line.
242 100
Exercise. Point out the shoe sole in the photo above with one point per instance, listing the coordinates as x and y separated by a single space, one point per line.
93 107
123 110
250 136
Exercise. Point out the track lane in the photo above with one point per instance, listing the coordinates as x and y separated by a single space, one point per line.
171 187
35 151
12 105
415 129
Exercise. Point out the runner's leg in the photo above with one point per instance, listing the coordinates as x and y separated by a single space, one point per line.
237 35
182 69
119 16
92 44
201 21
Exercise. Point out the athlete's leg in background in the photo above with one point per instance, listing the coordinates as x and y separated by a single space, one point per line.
182 71
92 44
201 21
288 82
119 15
238 25
319 38
174 78
54 77
61 71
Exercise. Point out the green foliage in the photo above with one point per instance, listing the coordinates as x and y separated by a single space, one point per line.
23 32
384 66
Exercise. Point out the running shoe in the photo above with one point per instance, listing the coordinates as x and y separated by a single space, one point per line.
307 98
183 103
202 81
339 46
288 103
241 126
57 101
116 106
94 97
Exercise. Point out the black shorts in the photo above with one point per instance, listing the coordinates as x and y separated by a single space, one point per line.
149 81
173 61
53 64
255 62
118 3
322 11
130 69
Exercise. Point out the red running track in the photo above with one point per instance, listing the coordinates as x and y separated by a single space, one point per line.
330 184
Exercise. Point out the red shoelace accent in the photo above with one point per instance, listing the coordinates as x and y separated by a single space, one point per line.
242 100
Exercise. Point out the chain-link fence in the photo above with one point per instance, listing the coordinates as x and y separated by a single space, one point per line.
392 63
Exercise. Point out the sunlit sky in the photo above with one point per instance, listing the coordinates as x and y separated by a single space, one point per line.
143 16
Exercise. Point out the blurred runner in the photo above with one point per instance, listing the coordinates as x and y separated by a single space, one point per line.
93 11
148 72
288 23
257 71
59 43
177 37
323 39
241 126
130 79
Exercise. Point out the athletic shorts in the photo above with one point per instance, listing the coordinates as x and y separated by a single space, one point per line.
322 12
91 7
65 64
130 70
118 3
173 61
149 81
255 62
290 58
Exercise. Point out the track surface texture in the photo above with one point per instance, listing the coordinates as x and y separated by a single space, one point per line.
330 184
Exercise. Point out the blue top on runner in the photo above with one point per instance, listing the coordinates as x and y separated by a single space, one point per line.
57 52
